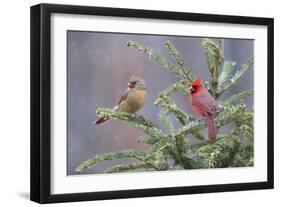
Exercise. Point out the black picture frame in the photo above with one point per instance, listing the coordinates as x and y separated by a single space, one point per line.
41 98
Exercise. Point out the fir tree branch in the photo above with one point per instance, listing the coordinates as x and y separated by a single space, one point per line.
132 167
180 147
180 87
232 81
238 96
244 125
221 153
132 119
245 156
167 103
228 114
185 71
109 156
189 127
148 139
154 55
214 56
165 118
228 67
221 46
197 134
167 92
164 101
156 156
176 167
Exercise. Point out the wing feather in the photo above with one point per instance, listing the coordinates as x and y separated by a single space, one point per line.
205 102
122 98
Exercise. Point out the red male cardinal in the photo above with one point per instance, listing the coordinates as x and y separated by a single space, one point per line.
132 100
204 105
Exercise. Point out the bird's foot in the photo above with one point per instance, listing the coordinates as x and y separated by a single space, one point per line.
139 116
142 118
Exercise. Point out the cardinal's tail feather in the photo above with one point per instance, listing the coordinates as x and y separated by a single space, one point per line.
101 120
212 128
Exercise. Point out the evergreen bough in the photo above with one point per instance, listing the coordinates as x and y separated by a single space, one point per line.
186 147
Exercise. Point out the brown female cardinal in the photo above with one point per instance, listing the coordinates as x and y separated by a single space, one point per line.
204 105
132 100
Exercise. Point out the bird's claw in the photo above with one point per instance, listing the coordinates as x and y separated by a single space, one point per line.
142 118
139 116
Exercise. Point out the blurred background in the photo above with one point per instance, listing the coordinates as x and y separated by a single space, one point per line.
99 66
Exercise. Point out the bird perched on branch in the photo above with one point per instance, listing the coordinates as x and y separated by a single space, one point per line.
132 100
204 105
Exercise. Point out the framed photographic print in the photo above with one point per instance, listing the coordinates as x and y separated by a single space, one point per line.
132 103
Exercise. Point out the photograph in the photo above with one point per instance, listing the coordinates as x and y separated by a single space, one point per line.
150 102
129 103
